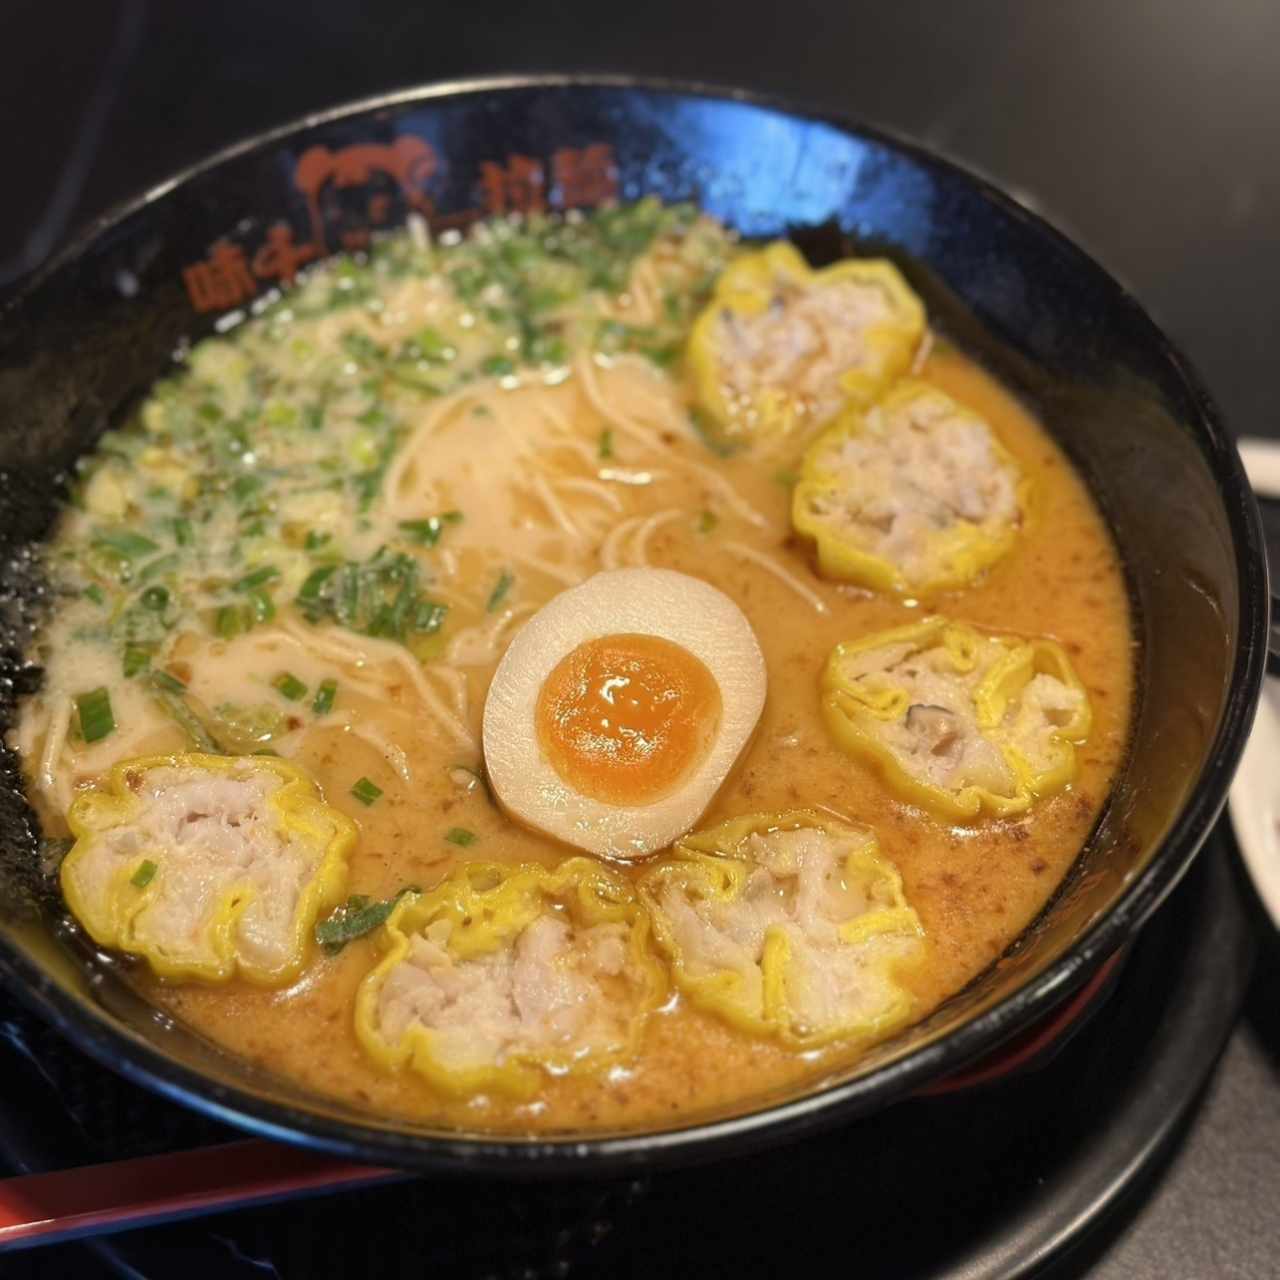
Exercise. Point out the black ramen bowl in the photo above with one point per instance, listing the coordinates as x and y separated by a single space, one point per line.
84 339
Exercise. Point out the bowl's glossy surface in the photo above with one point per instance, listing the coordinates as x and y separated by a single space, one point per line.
98 325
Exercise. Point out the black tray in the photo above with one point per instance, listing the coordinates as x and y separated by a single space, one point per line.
997 1182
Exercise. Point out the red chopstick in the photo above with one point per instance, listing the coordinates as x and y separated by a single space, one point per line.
97 1199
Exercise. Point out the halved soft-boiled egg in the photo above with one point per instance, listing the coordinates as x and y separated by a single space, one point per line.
619 709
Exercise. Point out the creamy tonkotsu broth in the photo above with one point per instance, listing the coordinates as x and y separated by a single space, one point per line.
789 818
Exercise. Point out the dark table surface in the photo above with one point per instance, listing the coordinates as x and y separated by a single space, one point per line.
1149 130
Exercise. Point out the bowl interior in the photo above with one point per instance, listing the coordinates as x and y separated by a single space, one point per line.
85 341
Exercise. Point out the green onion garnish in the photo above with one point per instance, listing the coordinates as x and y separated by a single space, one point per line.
155 598
230 621
123 542
183 534
158 567
256 578
461 836
499 593
497 366
96 717
707 521
94 593
358 916
289 686
786 478
316 540
262 606
428 531
144 875
325 695
135 659
606 444
365 791
169 683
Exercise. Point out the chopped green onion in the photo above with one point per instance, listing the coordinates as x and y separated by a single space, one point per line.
325 695
606 444
365 791
94 593
256 578
96 717
499 593
245 487
155 598
358 916
183 534
262 606
169 683
429 617
312 587
316 540
497 366
707 521
144 875
786 477
135 659
426 532
289 686
230 621
125 543
461 836
158 567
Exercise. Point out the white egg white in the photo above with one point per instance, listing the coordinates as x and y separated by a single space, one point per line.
656 602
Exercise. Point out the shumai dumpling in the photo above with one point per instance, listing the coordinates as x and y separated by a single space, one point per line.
789 925
781 348
912 496
208 866
502 972
959 721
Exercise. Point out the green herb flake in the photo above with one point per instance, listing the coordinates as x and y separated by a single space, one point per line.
316 540
155 598
707 521
144 875
261 606
289 686
358 916
96 717
94 592
230 621
325 695
606 445
257 578
169 683
461 837
183 533
131 546
136 660
497 366
500 590
786 477
366 792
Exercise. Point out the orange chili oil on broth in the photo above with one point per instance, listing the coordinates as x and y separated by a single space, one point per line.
974 887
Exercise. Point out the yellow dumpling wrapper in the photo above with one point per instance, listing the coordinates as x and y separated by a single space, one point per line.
913 495
959 721
781 348
788 925
501 973
209 867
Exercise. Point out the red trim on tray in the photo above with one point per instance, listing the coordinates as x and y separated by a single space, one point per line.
40 1208
1022 1051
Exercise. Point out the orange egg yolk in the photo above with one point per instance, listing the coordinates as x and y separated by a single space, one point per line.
624 719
